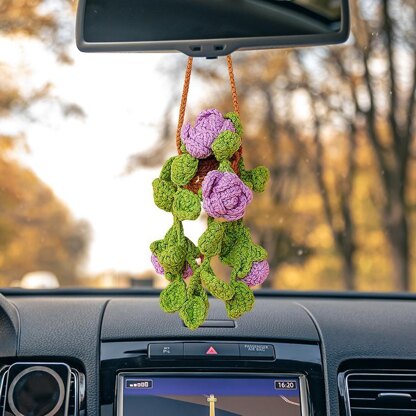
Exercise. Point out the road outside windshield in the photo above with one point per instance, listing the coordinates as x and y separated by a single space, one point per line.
82 136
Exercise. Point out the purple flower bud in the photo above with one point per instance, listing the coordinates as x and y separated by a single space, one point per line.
258 273
156 264
208 125
187 271
225 195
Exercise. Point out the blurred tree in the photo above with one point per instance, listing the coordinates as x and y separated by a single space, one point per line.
40 20
48 21
379 69
37 232
302 165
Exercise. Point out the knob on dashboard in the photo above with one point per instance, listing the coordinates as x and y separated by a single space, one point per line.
38 390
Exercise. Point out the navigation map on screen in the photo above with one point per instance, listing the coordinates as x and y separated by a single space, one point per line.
211 396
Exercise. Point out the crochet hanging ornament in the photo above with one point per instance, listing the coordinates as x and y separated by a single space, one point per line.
209 171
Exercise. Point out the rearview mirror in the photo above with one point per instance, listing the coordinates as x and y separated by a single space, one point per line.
208 28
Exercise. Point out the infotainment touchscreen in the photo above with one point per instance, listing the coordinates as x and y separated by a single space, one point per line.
213 395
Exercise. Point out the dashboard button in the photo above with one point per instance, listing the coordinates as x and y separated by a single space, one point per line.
205 350
257 351
169 350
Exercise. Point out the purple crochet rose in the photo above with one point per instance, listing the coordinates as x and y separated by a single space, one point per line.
208 125
225 195
258 273
187 271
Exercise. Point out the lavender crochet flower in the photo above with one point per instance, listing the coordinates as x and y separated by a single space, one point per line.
187 271
258 273
208 125
225 195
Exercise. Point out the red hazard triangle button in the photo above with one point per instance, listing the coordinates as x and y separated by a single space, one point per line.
211 351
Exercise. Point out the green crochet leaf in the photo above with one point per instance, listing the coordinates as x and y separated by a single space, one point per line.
173 258
192 249
244 262
242 257
165 249
245 175
174 296
170 277
238 249
259 178
193 313
225 145
186 205
211 240
255 179
235 119
232 233
258 253
157 246
183 169
200 292
236 236
175 234
241 302
166 169
225 166
217 287
163 194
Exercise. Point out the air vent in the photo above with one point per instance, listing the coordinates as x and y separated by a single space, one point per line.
76 392
73 395
380 394
3 372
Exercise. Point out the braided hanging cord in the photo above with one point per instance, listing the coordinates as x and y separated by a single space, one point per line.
184 100
232 84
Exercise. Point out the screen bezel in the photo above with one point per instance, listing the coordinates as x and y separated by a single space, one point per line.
209 47
303 386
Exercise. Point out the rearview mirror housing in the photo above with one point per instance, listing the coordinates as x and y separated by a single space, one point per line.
208 28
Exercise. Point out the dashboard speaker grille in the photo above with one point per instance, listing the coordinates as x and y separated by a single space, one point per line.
381 394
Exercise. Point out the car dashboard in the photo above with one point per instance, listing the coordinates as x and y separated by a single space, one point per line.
116 353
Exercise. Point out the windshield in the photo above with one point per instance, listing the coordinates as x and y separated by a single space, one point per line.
82 136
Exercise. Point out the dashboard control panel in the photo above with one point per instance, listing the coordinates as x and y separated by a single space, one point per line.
210 351
145 371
